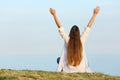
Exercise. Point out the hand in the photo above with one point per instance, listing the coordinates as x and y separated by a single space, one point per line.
96 10
52 11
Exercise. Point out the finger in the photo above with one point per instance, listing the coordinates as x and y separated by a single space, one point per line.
50 9
98 8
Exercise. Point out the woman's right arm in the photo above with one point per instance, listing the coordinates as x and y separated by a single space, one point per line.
95 12
87 29
53 12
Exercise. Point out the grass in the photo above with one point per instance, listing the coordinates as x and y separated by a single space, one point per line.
7 74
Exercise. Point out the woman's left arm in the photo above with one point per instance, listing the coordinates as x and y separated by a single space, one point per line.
57 21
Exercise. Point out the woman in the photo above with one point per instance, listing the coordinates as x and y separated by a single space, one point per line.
73 58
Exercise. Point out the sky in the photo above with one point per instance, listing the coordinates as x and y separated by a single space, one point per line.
29 37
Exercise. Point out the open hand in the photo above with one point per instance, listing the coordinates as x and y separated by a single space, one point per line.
52 11
96 10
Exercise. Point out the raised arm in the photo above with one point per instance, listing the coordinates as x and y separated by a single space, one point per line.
61 30
96 11
86 31
53 12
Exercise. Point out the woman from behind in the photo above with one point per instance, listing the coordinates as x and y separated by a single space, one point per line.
73 58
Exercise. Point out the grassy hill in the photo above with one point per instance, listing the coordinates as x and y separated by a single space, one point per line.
43 75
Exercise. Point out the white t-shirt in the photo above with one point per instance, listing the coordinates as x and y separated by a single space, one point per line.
63 65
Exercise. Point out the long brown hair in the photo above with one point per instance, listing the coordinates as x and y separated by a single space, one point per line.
74 48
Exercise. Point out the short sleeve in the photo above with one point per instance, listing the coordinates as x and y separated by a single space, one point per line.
85 34
63 34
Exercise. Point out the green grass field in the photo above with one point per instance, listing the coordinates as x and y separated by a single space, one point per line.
7 74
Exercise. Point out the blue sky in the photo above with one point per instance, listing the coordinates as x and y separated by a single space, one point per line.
29 38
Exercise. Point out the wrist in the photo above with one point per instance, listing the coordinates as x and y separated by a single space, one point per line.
95 14
54 14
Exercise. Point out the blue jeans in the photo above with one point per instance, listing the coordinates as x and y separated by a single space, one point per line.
58 60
